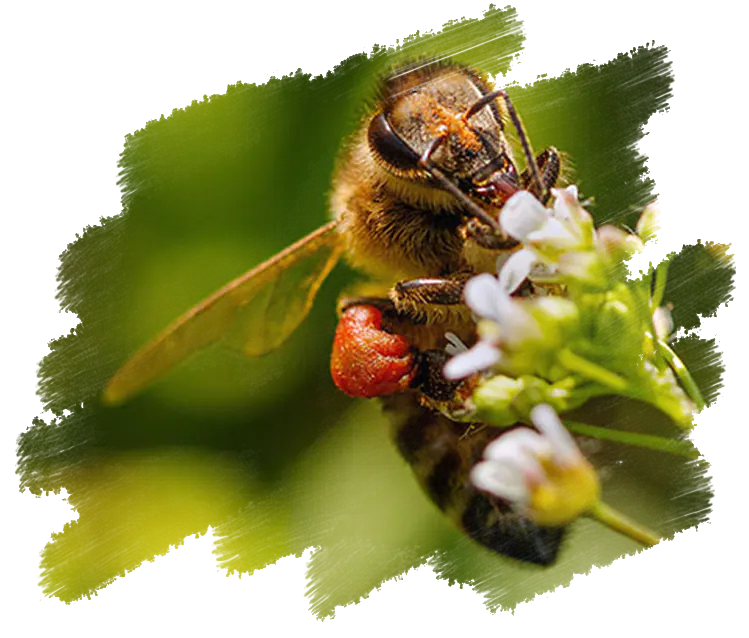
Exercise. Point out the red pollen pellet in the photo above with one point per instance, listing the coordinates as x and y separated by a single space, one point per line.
367 361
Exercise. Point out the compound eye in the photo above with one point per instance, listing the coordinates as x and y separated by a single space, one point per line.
389 146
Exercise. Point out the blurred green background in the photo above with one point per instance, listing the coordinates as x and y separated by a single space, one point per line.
266 451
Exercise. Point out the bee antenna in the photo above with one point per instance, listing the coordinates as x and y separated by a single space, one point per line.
537 185
425 161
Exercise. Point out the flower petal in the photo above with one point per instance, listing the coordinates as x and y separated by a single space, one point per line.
584 266
521 449
555 233
454 344
565 449
565 202
517 324
482 356
481 293
543 272
522 215
501 481
516 270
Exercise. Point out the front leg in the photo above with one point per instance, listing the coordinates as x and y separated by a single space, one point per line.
549 163
484 236
438 300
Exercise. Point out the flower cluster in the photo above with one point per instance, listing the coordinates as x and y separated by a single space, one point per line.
586 330
604 334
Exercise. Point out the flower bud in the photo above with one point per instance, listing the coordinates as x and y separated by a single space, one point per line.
622 253
494 400
617 323
557 319
583 267
649 222
663 323
651 227
567 206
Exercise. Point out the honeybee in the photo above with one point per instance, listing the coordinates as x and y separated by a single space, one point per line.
416 199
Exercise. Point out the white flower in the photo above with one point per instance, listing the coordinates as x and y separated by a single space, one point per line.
490 299
500 319
566 226
542 474
516 269
523 215
514 334
507 325
481 357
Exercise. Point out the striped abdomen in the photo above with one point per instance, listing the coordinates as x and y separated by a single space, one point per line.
441 453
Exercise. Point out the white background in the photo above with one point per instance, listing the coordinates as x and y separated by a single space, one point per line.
74 72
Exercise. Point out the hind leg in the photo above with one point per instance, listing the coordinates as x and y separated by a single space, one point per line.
367 361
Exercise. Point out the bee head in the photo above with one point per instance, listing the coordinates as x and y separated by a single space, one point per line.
444 122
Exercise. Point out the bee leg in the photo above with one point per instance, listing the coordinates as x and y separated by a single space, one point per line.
435 392
549 164
367 361
485 236
420 299
383 304
430 380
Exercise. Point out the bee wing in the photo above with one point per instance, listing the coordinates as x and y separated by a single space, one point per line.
255 313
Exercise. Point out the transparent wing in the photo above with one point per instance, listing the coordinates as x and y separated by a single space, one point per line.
255 313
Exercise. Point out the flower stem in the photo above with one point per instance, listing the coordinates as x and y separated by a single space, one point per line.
620 523
677 365
672 446
661 273
592 371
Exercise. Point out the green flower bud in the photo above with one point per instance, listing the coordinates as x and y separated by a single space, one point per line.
494 400
617 324
584 268
503 401
558 319
536 390
529 346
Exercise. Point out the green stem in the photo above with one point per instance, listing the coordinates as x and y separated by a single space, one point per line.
592 371
642 302
661 272
681 371
609 517
658 443
620 523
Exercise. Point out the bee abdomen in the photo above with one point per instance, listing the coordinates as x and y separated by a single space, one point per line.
441 453
509 534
